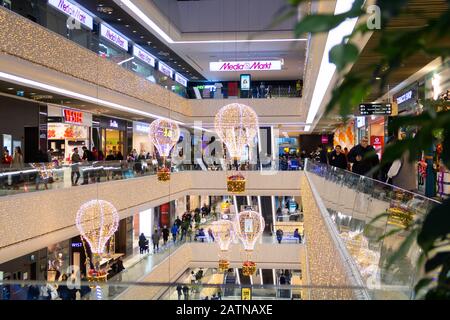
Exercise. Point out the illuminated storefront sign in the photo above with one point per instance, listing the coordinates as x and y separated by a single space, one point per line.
405 97
141 127
265 65
73 11
114 37
71 116
181 80
144 56
165 69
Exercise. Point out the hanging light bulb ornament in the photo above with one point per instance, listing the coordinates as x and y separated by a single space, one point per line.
237 126
249 225
164 134
223 233
97 221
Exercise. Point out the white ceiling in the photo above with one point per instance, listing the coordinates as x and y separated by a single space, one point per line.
229 20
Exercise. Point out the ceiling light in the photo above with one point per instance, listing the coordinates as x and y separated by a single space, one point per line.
130 5
378 78
134 31
76 95
119 19
327 69
142 37
10 88
127 26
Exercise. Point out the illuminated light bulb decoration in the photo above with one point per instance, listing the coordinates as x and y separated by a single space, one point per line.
97 221
164 134
237 126
249 226
223 233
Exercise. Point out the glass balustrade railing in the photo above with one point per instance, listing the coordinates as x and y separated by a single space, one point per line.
48 17
82 289
352 202
34 177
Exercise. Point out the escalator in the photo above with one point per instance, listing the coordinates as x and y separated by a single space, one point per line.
241 201
229 279
267 276
266 210
245 280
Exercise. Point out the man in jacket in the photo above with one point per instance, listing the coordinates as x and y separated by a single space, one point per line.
363 157
76 159
155 240
337 158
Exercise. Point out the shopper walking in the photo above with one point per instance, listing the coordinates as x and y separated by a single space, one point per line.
279 234
142 241
76 159
17 163
337 158
179 291
165 234
174 231
155 239
186 292
364 158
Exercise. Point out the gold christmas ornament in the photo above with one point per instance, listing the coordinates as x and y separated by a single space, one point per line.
236 183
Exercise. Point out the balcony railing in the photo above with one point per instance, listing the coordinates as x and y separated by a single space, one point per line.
352 202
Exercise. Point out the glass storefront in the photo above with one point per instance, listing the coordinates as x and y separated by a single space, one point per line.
110 134
67 129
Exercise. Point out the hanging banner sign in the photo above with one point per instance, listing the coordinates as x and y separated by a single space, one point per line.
265 65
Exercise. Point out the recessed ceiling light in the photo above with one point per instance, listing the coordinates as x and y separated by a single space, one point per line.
109 12
10 88
142 37
134 31
149 42
127 26
377 78
100 5
119 19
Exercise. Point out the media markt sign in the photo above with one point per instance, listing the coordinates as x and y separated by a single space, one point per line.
263 65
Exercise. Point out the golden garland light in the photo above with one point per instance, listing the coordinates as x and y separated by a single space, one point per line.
223 233
164 134
237 126
97 221
249 226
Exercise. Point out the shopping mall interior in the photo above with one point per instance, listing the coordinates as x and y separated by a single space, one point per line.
224 150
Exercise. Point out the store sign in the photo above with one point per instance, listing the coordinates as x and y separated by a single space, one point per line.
77 244
165 69
113 124
368 109
245 82
376 141
141 127
71 116
181 80
114 37
324 139
360 122
144 56
405 97
265 65
73 11
61 131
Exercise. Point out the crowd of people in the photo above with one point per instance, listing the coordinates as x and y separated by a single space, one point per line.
185 229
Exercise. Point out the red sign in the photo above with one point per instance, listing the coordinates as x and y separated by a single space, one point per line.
71 116
324 139
377 141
